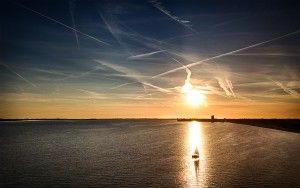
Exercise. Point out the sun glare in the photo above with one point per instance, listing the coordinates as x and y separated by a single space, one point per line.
192 96
195 98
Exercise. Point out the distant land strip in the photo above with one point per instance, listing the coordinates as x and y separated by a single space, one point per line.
291 125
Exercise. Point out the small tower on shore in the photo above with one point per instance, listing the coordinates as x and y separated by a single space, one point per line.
212 118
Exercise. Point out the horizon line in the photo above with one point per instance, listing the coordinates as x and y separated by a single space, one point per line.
252 118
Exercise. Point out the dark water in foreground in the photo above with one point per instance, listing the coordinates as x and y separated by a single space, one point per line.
154 153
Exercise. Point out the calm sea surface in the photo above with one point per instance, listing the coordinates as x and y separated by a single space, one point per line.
146 153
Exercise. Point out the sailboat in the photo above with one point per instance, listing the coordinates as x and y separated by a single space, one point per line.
196 154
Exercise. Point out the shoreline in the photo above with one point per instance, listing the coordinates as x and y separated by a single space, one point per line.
178 119
289 124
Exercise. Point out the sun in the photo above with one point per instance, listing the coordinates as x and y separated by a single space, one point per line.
195 98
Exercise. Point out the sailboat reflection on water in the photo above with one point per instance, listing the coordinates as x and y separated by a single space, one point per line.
196 154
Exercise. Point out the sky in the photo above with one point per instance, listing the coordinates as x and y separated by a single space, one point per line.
131 59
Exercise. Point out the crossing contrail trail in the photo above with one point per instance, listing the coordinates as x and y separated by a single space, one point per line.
62 24
162 9
19 75
226 54
188 72
218 56
115 32
132 74
289 91
72 10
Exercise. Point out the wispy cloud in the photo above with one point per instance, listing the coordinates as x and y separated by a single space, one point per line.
125 84
46 71
114 30
145 55
227 53
19 75
92 94
156 87
72 12
60 23
267 54
226 85
82 74
286 89
161 8
132 74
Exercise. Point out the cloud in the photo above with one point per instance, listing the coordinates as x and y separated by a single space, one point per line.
62 24
82 74
19 75
268 54
132 74
226 85
141 56
92 94
287 89
227 53
114 31
156 87
72 10
125 84
161 8
230 86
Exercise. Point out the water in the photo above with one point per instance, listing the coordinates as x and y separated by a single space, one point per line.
146 153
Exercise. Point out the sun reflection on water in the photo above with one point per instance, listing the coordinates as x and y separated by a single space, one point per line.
196 167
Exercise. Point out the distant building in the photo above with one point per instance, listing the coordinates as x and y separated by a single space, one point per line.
212 117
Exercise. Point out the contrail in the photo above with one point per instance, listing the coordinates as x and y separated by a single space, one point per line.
145 54
92 94
113 33
81 74
268 54
154 43
131 73
110 29
72 10
286 89
226 54
185 23
218 56
187 84
224 86
156 87
62 24
187 87
188 71
230 86
19 75
123 85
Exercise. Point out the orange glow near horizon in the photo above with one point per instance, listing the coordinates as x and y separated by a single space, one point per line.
164 110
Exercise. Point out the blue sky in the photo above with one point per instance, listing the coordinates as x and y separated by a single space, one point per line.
113 55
